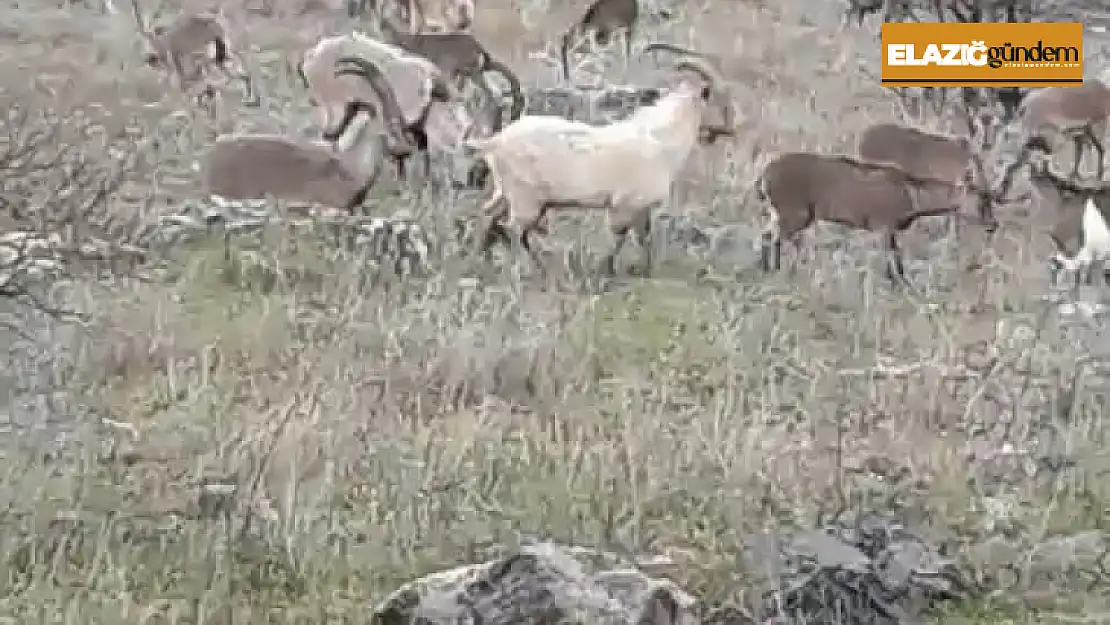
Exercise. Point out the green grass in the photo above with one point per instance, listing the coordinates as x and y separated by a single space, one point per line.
413 433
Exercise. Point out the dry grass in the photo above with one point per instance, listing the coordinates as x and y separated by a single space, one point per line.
398 431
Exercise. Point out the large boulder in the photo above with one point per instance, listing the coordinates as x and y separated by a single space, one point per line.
542 583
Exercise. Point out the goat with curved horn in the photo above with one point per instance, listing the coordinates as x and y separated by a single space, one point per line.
719 119
460 57
392 118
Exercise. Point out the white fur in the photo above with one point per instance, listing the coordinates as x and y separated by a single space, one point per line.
411 77
1096 241
628 165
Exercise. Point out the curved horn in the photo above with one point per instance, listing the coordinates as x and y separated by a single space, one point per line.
670 47
493 65
701 68
391 111
697 62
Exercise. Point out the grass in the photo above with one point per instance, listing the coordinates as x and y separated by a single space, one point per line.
386 433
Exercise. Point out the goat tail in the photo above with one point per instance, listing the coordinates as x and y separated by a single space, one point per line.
517 108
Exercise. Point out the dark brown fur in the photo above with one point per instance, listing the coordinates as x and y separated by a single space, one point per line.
247 167
460 56
602 19
919 153
804 187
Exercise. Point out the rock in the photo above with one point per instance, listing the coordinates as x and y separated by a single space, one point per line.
542 583
870 570
590 105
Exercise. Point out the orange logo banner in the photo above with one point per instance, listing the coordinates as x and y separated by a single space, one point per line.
982 55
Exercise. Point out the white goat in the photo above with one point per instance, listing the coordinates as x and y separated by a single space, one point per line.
430 113
539 163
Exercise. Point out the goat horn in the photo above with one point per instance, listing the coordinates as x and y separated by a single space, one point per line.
697 62
1065 184
392 116
670 47
701 68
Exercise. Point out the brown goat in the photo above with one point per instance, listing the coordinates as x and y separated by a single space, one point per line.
919 153
599 23
929 156
802 188
461 57
337 172
1079 113
188 48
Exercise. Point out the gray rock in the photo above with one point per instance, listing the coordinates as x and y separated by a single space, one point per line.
870 570
543 583
590 105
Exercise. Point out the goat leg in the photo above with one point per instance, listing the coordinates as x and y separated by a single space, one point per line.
399 163
895 270
533 253
620 233
770 249
1087 271
643 231
1100 151
1078 140
495 233
1055 267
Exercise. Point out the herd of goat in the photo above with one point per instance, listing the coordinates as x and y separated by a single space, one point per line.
390 96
